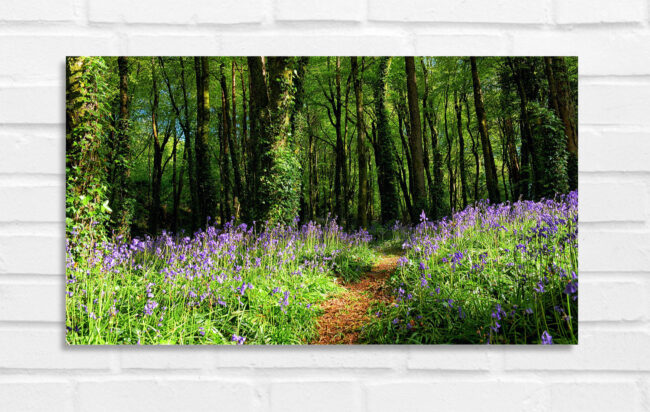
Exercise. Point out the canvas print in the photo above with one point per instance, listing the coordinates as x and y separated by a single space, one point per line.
321 200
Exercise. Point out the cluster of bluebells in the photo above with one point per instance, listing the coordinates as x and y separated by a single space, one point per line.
492 273
220 283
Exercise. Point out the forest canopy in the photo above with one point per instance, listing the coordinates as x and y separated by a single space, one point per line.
172 143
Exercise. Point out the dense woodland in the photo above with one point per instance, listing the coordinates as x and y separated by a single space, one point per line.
167 143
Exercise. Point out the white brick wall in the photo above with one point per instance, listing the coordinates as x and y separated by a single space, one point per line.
609 370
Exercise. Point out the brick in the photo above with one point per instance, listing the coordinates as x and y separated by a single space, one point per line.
32 204
33 151
338 10
166 358
591 396
36 10
616 200
598 350
473 11
32 255
612 300
599 11
199 11
614 103
42 58
449 358
32 302
453 44
307 44
453 395
613 48
165 395
46 349
613 251
315 396
614 151
32 104
36 396
264 357
172 45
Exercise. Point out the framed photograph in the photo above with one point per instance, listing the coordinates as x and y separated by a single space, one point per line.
321 200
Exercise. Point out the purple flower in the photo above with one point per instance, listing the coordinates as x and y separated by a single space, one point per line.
149 307
546 338
571 288
239 339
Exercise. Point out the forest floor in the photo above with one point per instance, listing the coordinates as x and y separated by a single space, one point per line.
346 313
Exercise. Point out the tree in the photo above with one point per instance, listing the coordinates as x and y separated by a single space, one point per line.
415 139
488 157
562 103
437 208
384 152
461 152
87 210
280 177
121 217
206 188
362 201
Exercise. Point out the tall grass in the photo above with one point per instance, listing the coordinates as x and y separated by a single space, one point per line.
505 273
230 286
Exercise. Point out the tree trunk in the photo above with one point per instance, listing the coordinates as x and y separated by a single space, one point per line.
415 139
362 201
488 157
259 127
226 159
565 108
461 149
121 212
452 194
384 153
205 180
280 178
477 158
437 209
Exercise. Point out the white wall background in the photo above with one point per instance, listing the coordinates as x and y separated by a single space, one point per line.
609 370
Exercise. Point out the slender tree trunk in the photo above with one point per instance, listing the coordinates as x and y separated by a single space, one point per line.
234 148
437 209
565 108
175 198
226 149
154 213
121 212
205 181
189 155
244 140
477 158
461 154
488 157
530 176
362 201
259 127
415 139
448 137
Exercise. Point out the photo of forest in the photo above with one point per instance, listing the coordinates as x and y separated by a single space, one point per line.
321 200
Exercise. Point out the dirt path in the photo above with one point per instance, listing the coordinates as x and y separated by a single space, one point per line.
346 314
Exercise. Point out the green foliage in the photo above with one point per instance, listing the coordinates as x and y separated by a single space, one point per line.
499 274
203 290
550 143
87 208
